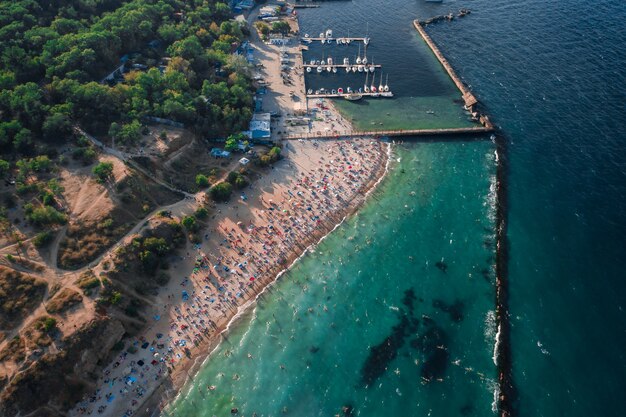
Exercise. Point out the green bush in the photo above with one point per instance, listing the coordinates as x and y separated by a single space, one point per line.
189 222
237 179
44 216
47 324
201 213
269 158
103 171
221 192
4 168
41 239
202 181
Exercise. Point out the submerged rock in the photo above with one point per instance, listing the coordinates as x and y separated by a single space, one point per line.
382 354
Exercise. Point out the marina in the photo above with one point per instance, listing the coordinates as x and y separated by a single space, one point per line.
344 66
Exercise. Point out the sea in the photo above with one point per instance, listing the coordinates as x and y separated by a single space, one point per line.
393 312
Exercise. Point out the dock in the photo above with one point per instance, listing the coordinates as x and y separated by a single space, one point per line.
337 95
380 133
334 40
341 65
468 97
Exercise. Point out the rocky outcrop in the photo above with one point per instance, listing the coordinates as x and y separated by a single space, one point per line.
55 382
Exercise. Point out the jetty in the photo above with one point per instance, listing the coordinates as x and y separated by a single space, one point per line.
468 97
341 65
334 40
380 133
343 95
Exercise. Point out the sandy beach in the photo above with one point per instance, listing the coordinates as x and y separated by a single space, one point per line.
245 246
248 242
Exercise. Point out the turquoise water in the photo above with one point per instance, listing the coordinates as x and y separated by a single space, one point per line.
414 269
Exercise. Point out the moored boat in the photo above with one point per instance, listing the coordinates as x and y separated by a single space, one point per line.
353 97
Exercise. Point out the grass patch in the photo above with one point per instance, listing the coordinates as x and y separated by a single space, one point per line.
19 295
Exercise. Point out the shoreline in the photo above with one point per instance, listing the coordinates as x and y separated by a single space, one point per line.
161 397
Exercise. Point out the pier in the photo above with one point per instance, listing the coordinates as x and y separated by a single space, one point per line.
468 97
379 133
341 65
334 40
343 95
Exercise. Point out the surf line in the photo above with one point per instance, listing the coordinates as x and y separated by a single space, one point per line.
502 350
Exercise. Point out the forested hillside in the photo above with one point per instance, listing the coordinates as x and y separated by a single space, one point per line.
53 56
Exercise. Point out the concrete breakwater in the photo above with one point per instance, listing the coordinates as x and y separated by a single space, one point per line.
468 97
380 133
507 393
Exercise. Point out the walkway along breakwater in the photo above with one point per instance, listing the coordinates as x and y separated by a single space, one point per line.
379 133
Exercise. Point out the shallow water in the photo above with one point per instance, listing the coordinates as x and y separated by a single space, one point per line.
400 293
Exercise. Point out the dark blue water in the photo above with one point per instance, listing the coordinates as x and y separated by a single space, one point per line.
553 75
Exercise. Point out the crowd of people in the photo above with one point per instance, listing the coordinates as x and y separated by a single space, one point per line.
245 247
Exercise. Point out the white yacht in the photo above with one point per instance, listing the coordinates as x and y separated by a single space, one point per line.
366 88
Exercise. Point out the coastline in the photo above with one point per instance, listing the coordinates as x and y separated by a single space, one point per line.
162 396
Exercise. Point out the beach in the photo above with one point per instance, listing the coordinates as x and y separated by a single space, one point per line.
245 246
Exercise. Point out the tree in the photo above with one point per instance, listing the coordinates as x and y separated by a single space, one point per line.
221 191
189 222
4 168
280 27
202 181
56 127
201 213
231 144
103 171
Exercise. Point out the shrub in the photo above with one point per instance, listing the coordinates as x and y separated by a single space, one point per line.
44 216
47 324
4 168
189 222
201 213
269 158
221 191
202 181
41 239
103 171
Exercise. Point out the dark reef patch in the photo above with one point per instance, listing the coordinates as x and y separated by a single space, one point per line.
442 266
455 310
382 354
